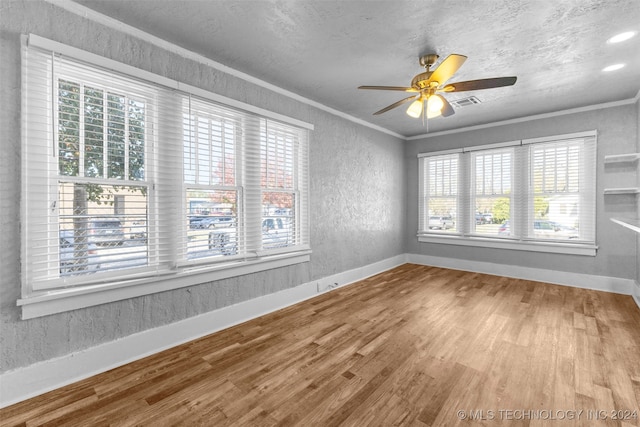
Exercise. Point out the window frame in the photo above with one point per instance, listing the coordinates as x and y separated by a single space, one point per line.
177 273
55 176
473 195
425 182
521 213
209 113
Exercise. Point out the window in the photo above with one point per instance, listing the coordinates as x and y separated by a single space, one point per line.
562 198
212 186
86 172
491 195
280 193
536 194
439 200
128 176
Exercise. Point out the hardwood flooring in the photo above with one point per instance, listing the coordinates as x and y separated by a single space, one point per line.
416 345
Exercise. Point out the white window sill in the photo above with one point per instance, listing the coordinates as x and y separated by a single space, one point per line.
60 300
518 245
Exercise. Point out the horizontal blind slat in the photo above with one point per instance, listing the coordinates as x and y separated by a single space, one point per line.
116 166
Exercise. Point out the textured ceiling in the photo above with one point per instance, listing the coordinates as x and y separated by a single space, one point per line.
323 50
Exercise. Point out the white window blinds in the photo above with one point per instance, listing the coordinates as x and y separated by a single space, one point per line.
539 190
491 189
126 178
87 172
561 195
213 181
439 196
282 153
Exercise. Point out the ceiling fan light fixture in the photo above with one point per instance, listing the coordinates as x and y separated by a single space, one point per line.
613 67
415 109
621 37
432 114
435 104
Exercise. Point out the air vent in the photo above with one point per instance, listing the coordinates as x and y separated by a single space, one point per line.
465 102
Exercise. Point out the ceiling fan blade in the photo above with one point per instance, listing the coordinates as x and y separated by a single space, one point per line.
395 104
399 88
480 84
447 68
447 109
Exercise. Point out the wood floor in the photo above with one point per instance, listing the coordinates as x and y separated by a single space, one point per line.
416 345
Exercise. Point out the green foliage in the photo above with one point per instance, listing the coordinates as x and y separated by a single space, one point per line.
68 128
540 207
89 118
442 206
501 210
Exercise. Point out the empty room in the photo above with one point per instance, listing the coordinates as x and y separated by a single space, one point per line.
320 213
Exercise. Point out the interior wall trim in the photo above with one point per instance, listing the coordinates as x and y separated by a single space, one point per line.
30 381
602 106
114 24
23 383
577 280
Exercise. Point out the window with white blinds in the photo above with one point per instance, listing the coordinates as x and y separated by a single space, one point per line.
491 190
561 199
128 177
212 184
439 201
281 197
536 194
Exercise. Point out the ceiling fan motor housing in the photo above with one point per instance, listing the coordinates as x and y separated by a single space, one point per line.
421 81
428 60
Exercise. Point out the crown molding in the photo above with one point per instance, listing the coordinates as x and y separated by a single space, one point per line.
90 14
112 23
529 118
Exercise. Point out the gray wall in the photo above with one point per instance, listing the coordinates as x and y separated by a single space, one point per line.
358 203
617 134
638 202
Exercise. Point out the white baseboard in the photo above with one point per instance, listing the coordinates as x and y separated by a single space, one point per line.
33 380
577 280
30 381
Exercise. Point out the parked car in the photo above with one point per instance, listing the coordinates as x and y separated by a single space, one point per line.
441 222
138 231
484 218
105 231
199 221
504 228
554 230
276 233
69 264
545 229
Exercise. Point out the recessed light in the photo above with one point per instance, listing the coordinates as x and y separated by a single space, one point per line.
613 67
621 37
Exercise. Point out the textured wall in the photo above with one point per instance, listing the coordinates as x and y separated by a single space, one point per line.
638 201
357 195
617 134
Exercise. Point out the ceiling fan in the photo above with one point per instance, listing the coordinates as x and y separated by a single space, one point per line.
429 84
